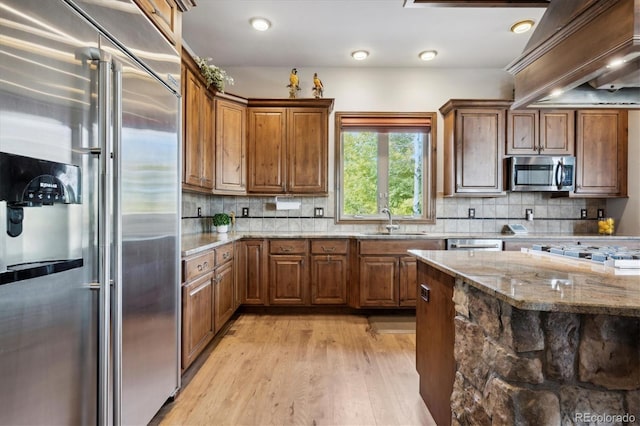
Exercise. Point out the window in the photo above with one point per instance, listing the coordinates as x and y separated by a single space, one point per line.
385 160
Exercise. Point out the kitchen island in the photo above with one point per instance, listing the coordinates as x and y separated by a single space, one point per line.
526 338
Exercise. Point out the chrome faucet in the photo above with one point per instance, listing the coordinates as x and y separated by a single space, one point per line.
391 226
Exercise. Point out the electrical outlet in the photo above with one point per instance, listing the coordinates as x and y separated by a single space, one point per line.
245 212
583 213
472 213
318 212
600 213
199 211
528 213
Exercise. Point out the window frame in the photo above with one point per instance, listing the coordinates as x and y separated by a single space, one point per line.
385 121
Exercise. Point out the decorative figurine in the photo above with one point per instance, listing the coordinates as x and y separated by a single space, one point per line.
318 88
293 83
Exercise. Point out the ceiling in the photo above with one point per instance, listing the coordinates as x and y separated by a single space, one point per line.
323 33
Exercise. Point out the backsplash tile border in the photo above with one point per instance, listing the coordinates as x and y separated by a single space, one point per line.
553 215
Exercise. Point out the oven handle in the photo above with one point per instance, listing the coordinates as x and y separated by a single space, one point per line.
474 246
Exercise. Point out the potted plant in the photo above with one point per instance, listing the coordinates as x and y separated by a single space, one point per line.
221 221
212 74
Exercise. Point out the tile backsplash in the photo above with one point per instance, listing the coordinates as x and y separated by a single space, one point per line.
552 215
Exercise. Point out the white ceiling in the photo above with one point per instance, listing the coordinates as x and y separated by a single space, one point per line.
323 33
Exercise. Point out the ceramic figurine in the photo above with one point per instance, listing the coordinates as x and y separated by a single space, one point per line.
293 83
318 88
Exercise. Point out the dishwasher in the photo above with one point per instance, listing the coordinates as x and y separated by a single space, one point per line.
485 244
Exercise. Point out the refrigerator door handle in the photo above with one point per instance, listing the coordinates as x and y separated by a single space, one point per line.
117 241
103 60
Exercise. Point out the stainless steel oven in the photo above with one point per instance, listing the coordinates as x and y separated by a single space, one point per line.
541 173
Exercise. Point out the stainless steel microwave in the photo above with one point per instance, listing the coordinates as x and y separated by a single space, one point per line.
541 173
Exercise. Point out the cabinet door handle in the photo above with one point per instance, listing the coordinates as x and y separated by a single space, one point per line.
425 292
226 255
285 249
328 249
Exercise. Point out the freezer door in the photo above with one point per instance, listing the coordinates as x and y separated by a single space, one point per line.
146 169
48 325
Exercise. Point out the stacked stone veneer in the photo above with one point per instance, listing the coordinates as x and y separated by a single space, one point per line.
521 367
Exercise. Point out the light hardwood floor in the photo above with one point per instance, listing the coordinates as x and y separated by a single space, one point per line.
303 370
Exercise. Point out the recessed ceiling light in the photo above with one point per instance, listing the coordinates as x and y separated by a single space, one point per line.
555 93
428 55
359 55
260 24
616 63
522 26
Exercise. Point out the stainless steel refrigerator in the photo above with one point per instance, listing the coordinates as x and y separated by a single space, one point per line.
89 213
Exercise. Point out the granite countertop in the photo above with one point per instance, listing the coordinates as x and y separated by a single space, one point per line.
542 282
195 243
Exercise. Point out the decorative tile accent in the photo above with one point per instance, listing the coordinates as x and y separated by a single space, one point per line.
551 215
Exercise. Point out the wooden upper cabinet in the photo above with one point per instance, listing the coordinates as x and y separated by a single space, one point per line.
601 153
207 140
192 146
166 16
266 150
474 139
523 132
287 148
198 130
307 148
231 145
544 132
557 135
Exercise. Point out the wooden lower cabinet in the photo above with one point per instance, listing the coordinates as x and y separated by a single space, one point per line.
378 281
435 338
197 317
329 279
387 274
288 279
288 272
224 297
208 298
251 268
329 271
407 281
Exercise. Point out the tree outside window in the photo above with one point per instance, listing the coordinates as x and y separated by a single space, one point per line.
385 160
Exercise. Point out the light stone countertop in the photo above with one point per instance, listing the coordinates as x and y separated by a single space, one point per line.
540 281
196 243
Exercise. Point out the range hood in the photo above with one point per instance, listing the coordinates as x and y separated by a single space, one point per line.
583 54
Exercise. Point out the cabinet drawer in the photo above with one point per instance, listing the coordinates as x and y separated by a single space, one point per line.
329 246
224 254
288 246
398 246
198 265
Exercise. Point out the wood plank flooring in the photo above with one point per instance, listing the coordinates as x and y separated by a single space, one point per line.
303 370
